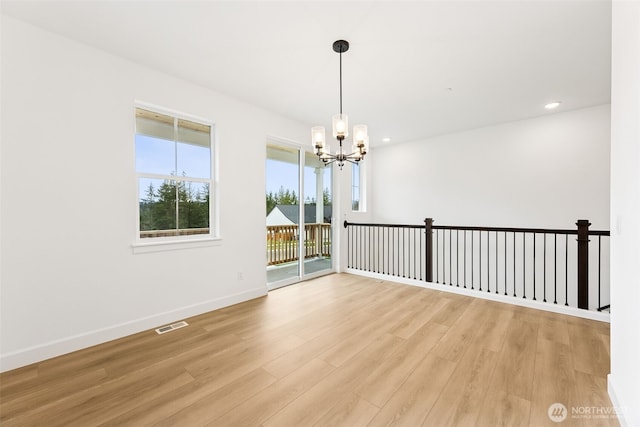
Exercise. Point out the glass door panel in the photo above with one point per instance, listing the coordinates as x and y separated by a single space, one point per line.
283 216
318 211
299 212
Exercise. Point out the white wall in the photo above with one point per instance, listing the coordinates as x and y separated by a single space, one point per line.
544 172
624 381
69 277
342 204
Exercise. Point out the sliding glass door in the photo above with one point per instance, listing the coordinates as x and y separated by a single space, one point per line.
298 215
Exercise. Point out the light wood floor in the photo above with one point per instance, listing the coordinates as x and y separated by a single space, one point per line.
340 350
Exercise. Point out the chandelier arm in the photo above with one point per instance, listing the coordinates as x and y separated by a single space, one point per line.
353 154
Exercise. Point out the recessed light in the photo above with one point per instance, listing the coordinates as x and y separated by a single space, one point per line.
386 139
552 105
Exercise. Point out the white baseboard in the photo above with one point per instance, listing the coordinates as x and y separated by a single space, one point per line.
628 416
555 308
615 401
27 356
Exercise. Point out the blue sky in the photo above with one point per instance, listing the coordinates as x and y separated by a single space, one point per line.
285 174
158 156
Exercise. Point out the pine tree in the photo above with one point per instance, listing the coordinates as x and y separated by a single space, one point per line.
164 210
146 209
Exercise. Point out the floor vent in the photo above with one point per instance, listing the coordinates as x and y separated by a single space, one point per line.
172 327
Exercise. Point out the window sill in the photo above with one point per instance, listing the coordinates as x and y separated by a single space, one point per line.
174 245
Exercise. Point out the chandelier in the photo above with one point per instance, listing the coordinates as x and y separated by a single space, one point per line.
340 124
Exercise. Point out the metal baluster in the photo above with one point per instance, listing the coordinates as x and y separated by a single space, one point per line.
370 247
472 266
437 257
354 245
363 251
450 259
480 258
465 260
555 268
398 253
356 248
443 257
404 257
497 280
393 242
524 265
387 269
378 230
534 266
599 260
488 259
381 248
544 268
362 248
348 247
420 257
415 253
566 269
372 235
514 263
388 246
365 246
457 258
396 260
505 263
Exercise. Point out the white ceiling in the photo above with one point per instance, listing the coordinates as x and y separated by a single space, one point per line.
502 60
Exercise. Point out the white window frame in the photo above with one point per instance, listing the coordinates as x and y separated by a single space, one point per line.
362 206
154 244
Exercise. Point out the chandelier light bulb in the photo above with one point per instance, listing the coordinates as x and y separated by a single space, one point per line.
340 126
360 135
317 135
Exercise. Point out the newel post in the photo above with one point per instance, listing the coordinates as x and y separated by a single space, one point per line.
428 226
583 263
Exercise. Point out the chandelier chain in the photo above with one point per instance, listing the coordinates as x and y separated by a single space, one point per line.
341 82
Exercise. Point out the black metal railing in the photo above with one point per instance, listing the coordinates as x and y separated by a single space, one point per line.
530 263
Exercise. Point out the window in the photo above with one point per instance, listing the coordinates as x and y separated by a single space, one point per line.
174 171
355 188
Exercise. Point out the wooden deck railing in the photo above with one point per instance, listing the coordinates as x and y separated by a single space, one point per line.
282 242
